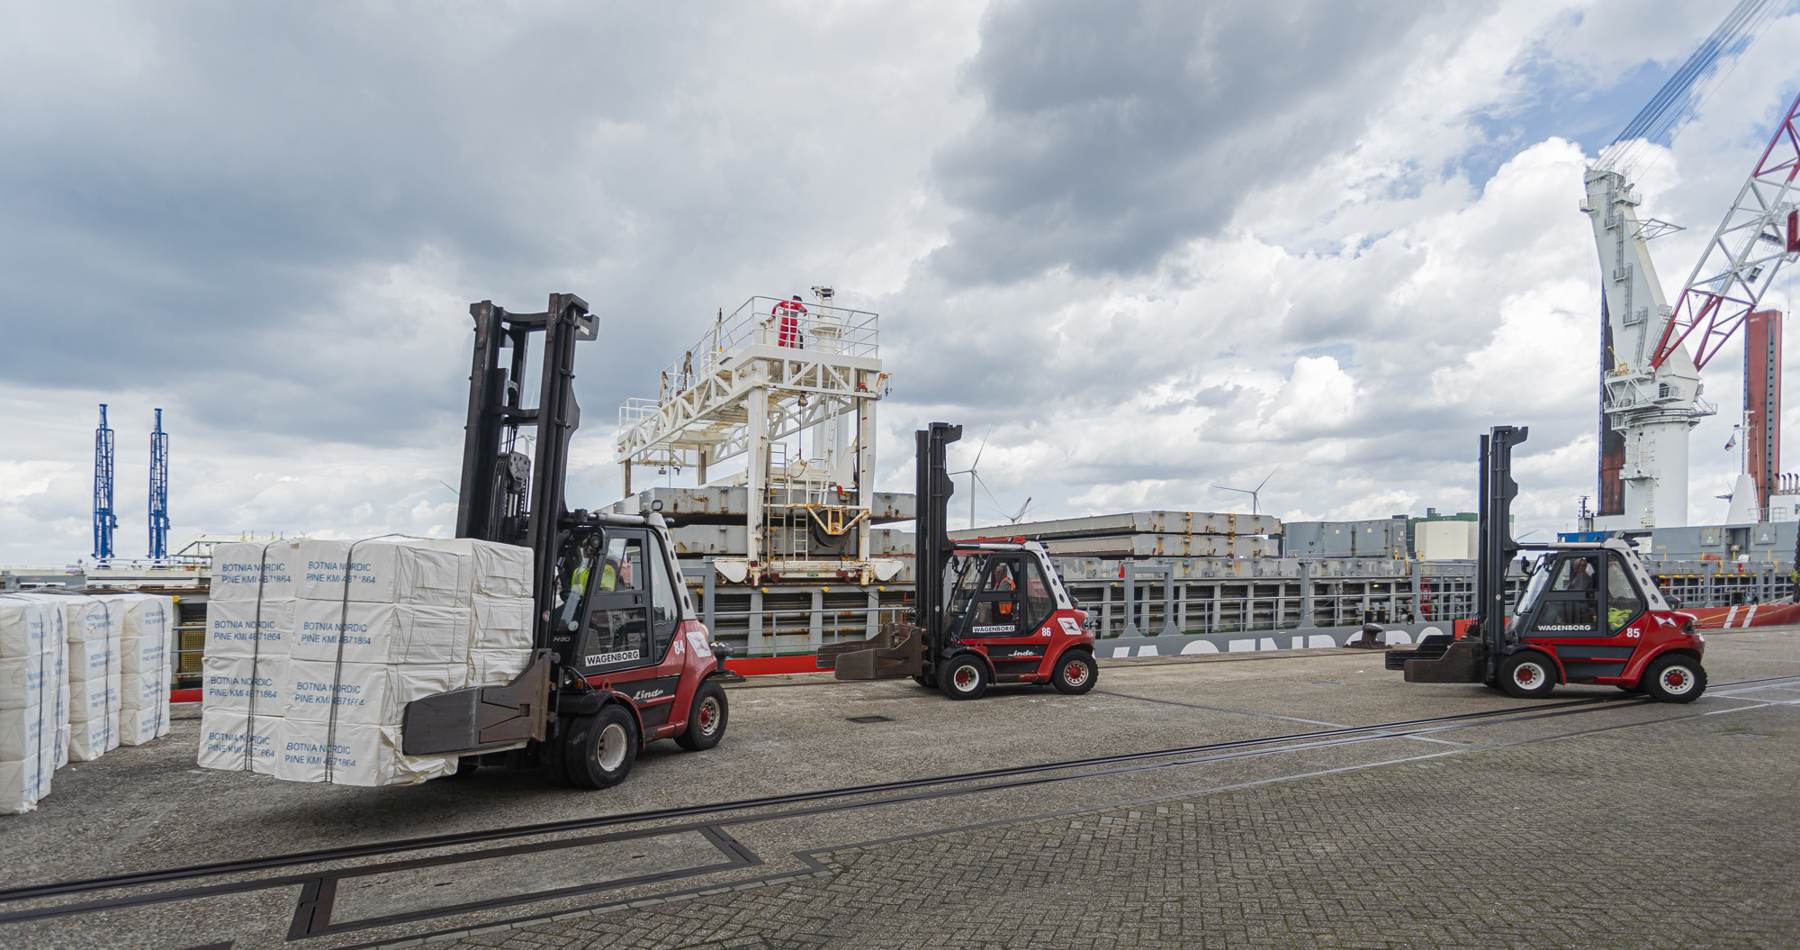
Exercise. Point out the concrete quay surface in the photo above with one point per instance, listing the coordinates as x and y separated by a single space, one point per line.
1294 799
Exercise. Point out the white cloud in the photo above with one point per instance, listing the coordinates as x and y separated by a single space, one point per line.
277 243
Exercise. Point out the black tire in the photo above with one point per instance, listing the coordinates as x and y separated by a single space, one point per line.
1528 675
963 676
601 748
1075 673
707 718
1674 678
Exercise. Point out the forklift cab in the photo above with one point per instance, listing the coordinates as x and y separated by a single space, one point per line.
1591 614
997 595
619 605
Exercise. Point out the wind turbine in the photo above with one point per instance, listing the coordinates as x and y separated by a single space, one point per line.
974 477
1252 492
1015 517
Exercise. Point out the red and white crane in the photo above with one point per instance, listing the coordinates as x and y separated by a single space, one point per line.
1650 387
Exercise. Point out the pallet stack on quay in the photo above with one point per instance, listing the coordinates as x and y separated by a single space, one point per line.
80 675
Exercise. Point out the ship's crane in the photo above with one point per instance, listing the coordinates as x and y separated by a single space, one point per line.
1650 388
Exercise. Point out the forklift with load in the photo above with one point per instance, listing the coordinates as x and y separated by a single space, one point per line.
620 656
1590 613
984 612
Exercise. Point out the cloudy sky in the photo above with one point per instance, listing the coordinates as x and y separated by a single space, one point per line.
1140 248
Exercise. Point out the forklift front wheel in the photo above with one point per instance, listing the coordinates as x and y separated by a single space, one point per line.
601 748
963 677
1674 679
1528 675
706 721
1075 673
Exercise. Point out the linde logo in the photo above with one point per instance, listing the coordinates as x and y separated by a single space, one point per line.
600 659
1018 653
646 694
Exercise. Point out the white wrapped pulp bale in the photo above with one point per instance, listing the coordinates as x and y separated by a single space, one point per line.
231 682
147 647
380 633
247 570
92 625
249 627
502 623
23 783
225 734
351 754
25 626
384 571
23 681
499 570
372 694
496 667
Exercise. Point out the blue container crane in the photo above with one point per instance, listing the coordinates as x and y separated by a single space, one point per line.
159 491
104 522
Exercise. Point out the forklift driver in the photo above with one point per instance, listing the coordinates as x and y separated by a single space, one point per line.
1579 607
577 584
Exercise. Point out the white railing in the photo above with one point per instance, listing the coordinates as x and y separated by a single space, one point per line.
771 321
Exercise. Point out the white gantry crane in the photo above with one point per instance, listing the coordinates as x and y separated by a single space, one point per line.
770 371
1650 384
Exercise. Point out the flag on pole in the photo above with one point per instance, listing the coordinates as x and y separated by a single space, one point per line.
1731 443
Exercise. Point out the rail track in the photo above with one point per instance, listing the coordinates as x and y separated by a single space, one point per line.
318 872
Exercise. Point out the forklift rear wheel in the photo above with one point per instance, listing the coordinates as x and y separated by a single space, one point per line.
963 677
1075 673
1674 679
1528 675
601 748
706 721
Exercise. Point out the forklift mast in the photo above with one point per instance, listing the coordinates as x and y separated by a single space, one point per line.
1496 545
506 495
931 504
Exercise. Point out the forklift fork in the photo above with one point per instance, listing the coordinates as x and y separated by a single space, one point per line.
894 653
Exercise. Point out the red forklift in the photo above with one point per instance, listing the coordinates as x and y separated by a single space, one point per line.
1589 614
621 657
985 612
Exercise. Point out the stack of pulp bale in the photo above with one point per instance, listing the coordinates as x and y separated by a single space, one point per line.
33 698
79 675
310 664
121 651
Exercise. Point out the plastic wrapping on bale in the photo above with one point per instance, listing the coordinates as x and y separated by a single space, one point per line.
96 674
146 650
225 734
247 628
384 571
252 571
380 633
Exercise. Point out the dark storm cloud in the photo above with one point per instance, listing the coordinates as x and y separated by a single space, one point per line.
1113 131
220 195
